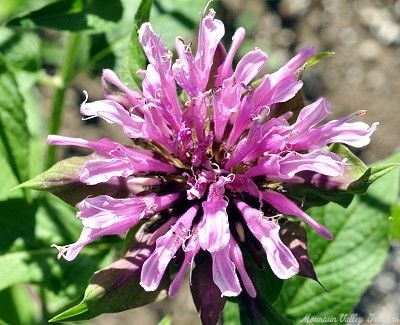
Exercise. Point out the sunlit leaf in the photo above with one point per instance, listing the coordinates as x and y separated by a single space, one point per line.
21 49
231 315
166 320
394 230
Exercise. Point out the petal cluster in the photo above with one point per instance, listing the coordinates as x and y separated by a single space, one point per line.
209 155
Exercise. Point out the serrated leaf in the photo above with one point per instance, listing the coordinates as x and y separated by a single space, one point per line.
135 58
317 58
62 180
72 15
14 135
117 287
347 265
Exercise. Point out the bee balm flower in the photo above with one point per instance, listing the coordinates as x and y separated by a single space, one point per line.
210 159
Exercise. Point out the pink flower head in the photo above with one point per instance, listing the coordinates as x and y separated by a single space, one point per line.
211 164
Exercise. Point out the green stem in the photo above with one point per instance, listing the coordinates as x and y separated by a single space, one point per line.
66 76
43 298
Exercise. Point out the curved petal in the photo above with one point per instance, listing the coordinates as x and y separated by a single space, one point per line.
237 258
166 248
112 112
286 206
213 229
224 274
319 161
280 258
311 115
191 250
210 33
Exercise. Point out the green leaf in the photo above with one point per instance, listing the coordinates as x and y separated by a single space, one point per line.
72 15
14 135
17 222
259 311
178 18
231 315
2 322
8 181
16 306
62 180
267 283
317 58
25 252
346 265
394 230
117 287
134 57
21 49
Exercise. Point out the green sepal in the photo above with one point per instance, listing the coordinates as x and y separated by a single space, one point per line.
317 58
356 180
117 287
62 180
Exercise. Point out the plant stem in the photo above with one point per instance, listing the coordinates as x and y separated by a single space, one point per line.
66 76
